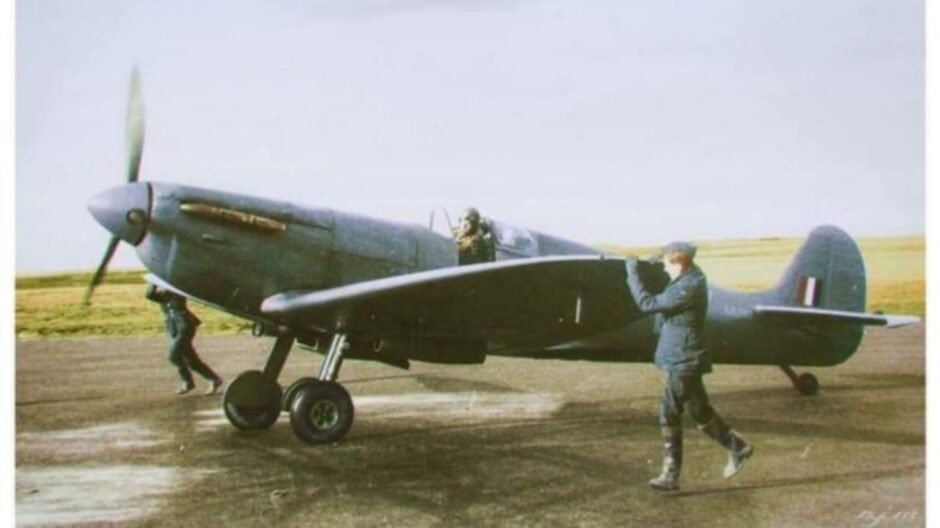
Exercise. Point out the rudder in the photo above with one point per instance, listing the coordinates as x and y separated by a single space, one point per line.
827 272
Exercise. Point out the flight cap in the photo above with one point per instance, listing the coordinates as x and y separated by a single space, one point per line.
686 248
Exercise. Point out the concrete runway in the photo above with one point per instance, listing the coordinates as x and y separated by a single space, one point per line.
101 438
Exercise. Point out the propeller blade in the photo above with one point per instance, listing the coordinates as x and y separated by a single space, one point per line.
102 270
134 132
134 137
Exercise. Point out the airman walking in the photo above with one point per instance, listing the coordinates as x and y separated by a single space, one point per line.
682 353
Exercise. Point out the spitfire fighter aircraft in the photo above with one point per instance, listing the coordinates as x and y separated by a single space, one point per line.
353 287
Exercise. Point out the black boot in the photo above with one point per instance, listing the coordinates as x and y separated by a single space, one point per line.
668 480
738 449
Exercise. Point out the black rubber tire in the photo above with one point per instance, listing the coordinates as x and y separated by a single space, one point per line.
252 402
291 392
808 384
249 418
322 412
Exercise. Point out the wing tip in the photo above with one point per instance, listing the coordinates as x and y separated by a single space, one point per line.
275 304
897 321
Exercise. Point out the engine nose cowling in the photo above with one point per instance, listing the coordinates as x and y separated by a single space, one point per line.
123 210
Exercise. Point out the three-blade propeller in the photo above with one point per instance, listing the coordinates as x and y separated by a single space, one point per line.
134 135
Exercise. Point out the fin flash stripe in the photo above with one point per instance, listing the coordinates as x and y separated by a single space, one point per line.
808 290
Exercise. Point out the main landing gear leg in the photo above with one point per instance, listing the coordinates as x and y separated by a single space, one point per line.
253 400
806 383
320 409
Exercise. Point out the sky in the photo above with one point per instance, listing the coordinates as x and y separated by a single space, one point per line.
627 122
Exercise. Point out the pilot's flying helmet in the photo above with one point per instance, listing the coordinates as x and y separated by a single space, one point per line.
472 215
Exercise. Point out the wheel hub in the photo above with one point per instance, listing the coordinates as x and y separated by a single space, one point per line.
324 414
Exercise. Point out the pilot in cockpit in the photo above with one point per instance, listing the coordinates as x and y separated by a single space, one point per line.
474 240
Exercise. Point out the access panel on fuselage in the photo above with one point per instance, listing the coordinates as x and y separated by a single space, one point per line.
367 249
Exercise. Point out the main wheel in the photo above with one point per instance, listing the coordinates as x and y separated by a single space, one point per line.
288 399
808 384
252 401
322 412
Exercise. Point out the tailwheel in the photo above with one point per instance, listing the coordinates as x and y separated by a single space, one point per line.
807 384
291 393
252 401
321 412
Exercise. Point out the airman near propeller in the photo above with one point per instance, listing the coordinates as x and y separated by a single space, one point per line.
181 327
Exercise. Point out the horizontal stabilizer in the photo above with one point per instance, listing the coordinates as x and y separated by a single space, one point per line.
819 315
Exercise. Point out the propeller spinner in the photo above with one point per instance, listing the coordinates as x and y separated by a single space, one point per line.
124 210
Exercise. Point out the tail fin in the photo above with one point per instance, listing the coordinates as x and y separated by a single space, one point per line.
827 273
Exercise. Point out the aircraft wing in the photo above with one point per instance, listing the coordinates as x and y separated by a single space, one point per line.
514 302
799 314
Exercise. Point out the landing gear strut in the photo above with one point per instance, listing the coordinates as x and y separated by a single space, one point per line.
806 383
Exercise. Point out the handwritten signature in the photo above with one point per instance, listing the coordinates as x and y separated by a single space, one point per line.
871 519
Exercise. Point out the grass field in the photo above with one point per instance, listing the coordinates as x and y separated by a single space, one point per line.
50 305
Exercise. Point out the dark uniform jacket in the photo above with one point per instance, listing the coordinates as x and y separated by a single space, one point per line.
682 305
179 320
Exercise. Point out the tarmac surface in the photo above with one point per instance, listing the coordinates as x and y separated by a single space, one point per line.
102 439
